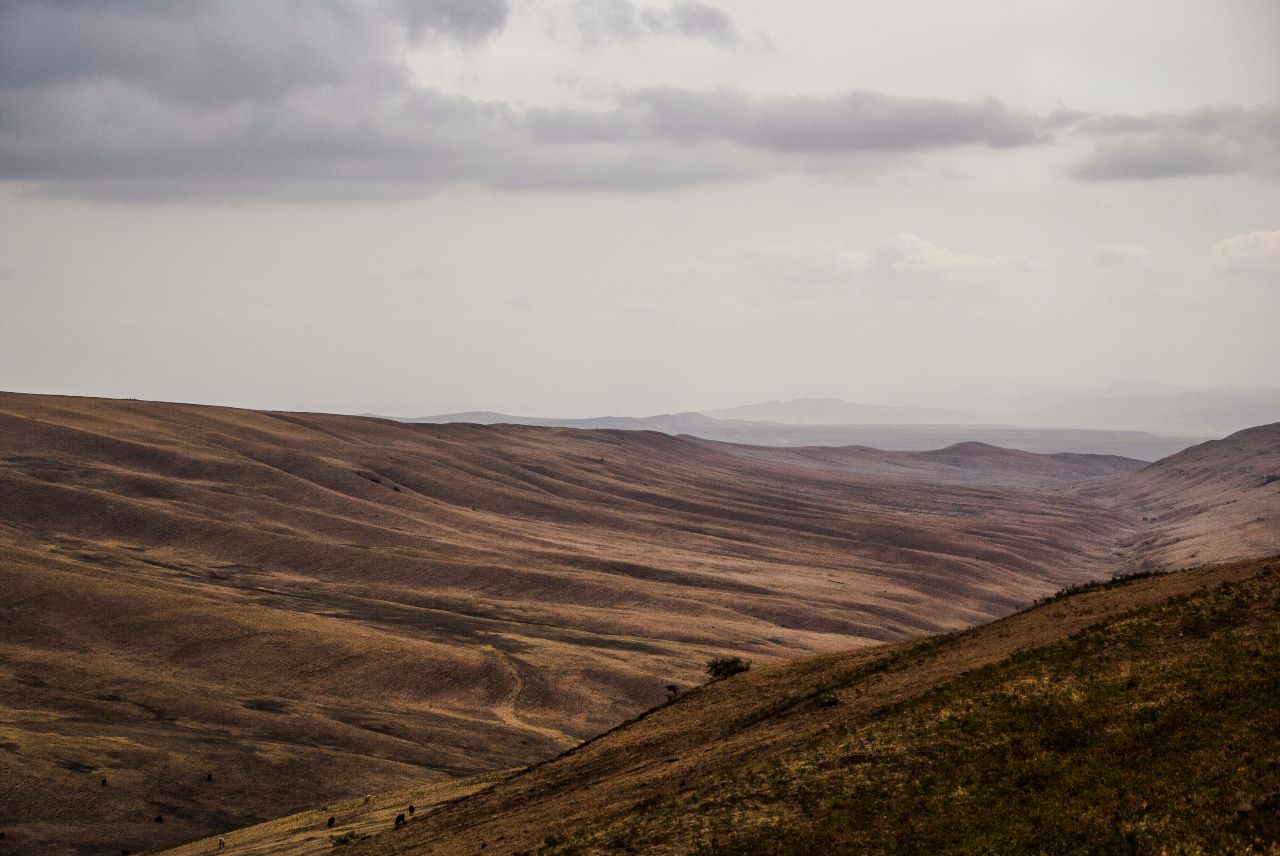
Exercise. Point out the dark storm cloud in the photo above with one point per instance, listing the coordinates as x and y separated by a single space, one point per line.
210 51
855 122
1211 141
695 20
200 51
136 100
468 20
128 99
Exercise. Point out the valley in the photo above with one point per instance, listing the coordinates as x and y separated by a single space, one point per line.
230 615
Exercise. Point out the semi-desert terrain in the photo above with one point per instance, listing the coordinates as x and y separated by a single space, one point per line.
1132 716
216 616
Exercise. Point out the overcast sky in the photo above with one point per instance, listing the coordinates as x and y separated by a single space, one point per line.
579 207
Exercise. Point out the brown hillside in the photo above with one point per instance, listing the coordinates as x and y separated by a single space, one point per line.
1211 503
965 463
309 607
765 761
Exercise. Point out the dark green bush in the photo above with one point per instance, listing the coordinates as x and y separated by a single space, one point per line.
726 667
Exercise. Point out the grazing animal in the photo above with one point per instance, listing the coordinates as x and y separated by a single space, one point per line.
332 821
104 783
367 797
1 836
411 811
208 777
399 820
221 844
159 818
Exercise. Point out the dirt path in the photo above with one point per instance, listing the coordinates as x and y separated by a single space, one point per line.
507 708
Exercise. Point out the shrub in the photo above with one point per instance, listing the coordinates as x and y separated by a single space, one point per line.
726 667
348 837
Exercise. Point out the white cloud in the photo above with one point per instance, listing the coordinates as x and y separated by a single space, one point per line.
1121 255
1254 252
905 254
899 256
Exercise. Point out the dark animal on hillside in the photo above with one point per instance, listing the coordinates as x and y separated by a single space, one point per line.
331 822
159 818
208 777
399 820
104 783
411 811
221 844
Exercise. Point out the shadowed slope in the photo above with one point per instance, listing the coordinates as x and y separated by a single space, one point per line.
311 606
1136 715
963 463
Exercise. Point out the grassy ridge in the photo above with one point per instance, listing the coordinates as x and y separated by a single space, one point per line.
1155 730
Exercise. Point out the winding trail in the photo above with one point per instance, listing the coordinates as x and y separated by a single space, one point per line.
506 708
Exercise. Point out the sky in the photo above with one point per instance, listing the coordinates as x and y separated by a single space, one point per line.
587 207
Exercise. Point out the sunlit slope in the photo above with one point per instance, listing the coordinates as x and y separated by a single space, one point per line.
357 819
1213 502
1135 717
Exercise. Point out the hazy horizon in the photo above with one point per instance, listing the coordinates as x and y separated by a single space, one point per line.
995 400
588 207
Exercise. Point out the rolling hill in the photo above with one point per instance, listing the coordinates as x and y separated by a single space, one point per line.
1210 502
836 411
901 436
1135 419
229 615
1133 716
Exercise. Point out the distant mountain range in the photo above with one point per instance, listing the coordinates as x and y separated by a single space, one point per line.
1123 406
1216 412
1133 418
835 411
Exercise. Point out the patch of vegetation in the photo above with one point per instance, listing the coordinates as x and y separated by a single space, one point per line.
720 668
1099 585
1155 731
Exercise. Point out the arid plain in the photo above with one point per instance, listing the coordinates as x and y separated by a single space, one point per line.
229 615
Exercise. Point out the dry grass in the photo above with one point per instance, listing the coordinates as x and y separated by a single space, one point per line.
1213 502
311 607
821 755
308 832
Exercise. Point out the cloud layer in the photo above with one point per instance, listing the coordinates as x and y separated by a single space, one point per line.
904 256
854 122
1255 252
599 21
293 99
1215 141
